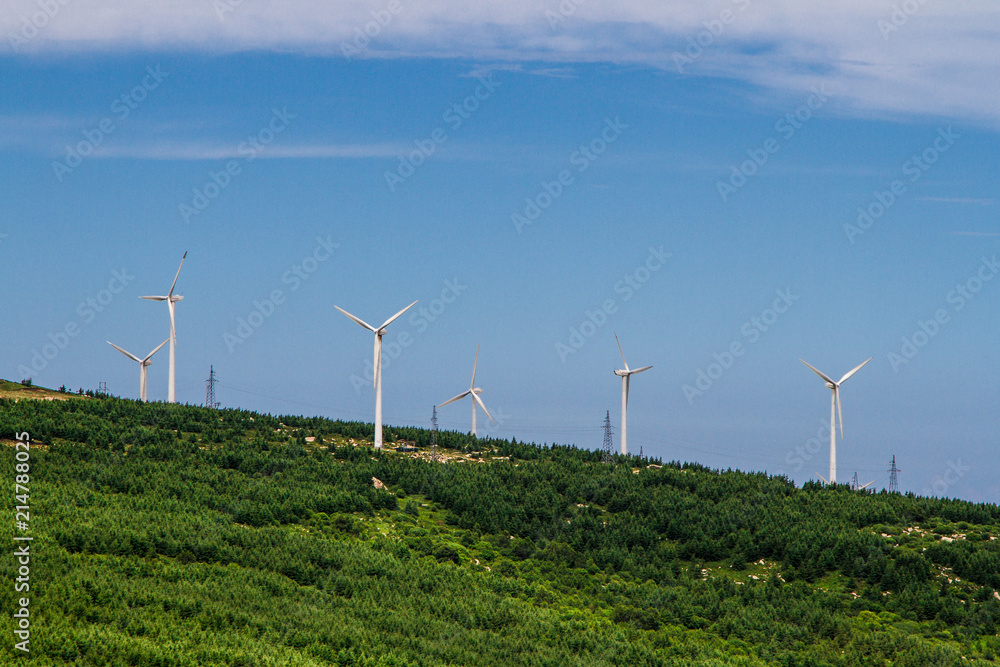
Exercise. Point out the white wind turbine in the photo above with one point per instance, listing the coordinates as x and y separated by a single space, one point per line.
625 374
473 391
379 332
143 364
834 412
171 299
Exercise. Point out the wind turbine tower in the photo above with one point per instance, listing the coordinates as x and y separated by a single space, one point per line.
625 374
379 332
835 411
171 299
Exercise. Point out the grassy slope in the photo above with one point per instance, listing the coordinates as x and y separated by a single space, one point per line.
155 567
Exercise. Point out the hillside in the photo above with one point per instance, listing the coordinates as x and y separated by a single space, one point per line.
175 535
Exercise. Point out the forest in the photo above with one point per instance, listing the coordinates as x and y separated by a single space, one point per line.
176 535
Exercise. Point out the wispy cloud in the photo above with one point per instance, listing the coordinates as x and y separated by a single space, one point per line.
786 45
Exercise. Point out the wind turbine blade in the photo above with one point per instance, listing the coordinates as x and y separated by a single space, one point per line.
843 379
356 319
155 298
389 321
836 393
127 354
474 364
482 405
171 292
620 351
639 370
822 375
867 485
817 474
377 364
459 397
626 390
150 355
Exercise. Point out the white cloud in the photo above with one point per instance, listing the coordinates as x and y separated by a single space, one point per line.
941 60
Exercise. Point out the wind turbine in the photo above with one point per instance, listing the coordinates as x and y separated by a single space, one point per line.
171 299
143 363
379 332
625 374
473 391
834 411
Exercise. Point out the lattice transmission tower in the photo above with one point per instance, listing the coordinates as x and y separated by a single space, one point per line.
210 389
434 431
608 457
894 476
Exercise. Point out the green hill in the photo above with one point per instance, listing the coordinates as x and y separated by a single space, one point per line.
176 535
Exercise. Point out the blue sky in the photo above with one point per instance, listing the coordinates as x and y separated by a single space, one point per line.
539 176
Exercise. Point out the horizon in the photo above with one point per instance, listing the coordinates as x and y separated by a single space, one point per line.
728 188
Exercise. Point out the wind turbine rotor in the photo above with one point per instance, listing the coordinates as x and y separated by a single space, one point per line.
390 320
830 383
621 352
125 352
177 275
358 320
474 365
853 371
456 398
482 405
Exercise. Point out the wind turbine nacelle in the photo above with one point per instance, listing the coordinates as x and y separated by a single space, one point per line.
621 373
175 299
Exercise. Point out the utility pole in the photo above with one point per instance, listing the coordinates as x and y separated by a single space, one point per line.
210 389
894 476
607 457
